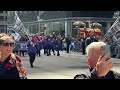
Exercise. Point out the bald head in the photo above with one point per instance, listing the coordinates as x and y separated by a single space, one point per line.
93 52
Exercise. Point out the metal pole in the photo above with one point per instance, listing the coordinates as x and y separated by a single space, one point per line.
89 23
39 23
4 23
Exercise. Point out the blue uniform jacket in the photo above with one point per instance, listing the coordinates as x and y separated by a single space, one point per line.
57 45
31 48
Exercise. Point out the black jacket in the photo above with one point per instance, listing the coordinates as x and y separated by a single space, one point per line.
6 72
92 74
89 40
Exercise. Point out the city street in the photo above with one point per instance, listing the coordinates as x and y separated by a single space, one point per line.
65 66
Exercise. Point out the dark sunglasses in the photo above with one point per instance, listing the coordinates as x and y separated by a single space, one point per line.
7 44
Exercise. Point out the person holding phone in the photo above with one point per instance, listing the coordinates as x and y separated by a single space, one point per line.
100 63
11 66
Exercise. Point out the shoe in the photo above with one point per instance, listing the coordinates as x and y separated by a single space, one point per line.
31 65
58 54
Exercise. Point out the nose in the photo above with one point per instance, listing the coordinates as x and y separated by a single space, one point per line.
9 46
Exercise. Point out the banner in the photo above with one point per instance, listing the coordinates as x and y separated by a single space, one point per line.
15 35
18 25
21 46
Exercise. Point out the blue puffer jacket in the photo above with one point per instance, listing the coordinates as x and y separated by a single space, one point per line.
31 48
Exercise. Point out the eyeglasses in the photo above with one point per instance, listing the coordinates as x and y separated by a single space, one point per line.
7 44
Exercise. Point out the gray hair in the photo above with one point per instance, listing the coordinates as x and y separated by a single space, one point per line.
90 48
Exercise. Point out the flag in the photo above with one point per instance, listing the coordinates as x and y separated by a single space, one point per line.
16 35
18 25
114 32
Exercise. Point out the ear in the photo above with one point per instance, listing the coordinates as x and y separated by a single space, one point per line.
89 61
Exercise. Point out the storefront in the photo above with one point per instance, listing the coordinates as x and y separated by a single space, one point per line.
66 26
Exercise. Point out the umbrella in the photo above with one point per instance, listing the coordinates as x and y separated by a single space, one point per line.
96 25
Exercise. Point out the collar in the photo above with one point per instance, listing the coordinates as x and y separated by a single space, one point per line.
90 68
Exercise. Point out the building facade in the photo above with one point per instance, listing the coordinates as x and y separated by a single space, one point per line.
61 22
3 21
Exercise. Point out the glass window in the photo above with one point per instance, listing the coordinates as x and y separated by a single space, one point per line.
1 18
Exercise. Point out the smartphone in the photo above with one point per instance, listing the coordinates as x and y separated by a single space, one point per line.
104 50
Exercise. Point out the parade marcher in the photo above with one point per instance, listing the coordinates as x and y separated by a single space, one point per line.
99 66
24 38
11 66
38 45
48 46
44 41
53 45
31 50
57 45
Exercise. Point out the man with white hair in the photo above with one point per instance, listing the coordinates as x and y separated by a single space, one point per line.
99 67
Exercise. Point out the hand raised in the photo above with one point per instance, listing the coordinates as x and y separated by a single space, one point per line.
103 66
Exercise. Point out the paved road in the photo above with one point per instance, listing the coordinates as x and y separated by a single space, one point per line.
65 66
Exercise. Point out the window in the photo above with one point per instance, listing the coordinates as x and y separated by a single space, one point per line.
1 18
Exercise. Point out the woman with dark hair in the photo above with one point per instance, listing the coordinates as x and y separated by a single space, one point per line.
10 64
